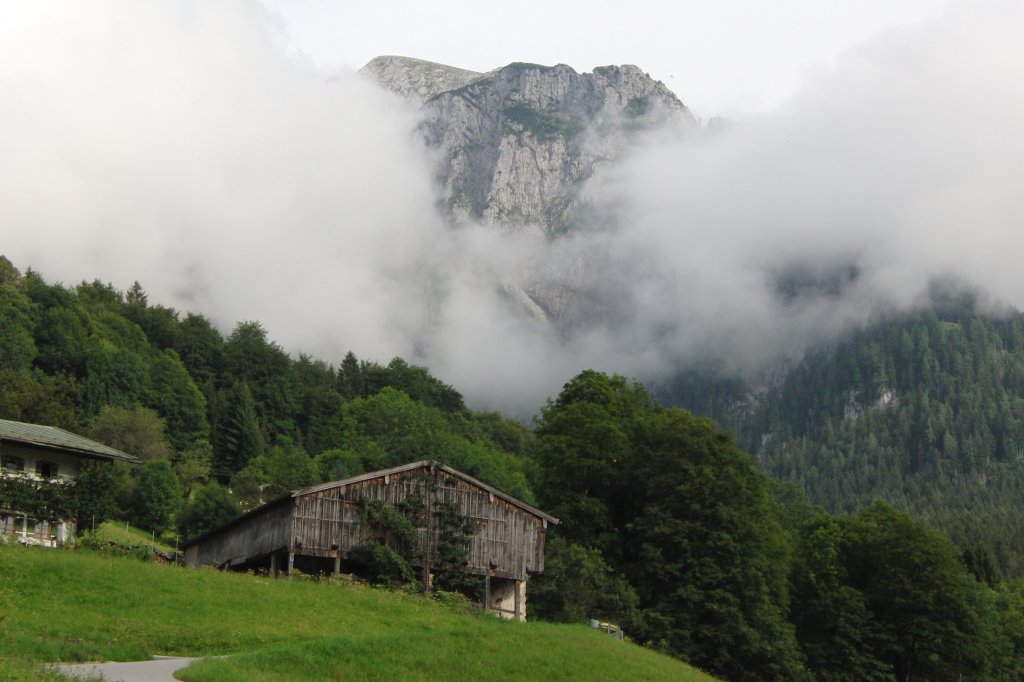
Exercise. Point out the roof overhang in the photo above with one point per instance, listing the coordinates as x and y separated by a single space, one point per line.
56 439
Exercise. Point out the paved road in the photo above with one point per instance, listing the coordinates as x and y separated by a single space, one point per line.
160 669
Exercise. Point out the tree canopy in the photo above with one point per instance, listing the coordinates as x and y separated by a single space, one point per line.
672 503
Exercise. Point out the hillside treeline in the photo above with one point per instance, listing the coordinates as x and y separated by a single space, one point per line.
668 528
924 411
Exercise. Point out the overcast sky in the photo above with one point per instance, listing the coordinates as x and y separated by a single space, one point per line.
721 57
197 147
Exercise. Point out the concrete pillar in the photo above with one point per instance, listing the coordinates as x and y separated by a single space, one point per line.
337 564
520 600
291 562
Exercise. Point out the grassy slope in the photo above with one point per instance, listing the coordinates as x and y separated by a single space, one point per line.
71 606
115 531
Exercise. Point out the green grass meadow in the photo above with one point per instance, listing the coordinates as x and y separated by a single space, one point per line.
58 605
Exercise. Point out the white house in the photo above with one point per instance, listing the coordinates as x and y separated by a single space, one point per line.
39 452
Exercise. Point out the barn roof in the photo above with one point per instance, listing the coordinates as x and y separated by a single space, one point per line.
51 437
422 464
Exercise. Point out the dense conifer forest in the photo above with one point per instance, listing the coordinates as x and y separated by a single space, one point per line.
669 527
924 410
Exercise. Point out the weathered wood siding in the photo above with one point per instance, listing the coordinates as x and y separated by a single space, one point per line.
256 535
508 540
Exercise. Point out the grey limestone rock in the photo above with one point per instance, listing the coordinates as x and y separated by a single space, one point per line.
519 142
415 79
517 145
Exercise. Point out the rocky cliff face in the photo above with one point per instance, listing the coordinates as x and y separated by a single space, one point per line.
520 141
518 144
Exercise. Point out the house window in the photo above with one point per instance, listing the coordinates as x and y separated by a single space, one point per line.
12 464
46 469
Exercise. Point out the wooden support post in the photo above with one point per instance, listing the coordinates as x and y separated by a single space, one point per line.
487 592
428 536
337 563
274 568
291 561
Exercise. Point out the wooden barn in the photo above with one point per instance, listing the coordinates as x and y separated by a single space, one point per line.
313 529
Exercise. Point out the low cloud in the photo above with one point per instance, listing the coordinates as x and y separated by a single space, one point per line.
899 166
172 143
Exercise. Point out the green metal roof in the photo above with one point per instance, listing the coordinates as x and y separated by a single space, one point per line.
58 439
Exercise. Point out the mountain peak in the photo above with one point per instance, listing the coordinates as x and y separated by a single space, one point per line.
522 139
517 145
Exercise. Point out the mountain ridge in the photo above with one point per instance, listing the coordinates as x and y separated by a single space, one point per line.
517 142
516 147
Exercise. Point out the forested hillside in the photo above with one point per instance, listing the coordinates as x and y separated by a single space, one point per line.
668 527
924 410
202 410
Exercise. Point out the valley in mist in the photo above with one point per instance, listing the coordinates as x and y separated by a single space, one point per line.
175 143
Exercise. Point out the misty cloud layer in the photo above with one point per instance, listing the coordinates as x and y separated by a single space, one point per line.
172 143
902 165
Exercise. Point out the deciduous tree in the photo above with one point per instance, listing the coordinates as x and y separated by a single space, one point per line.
157 497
